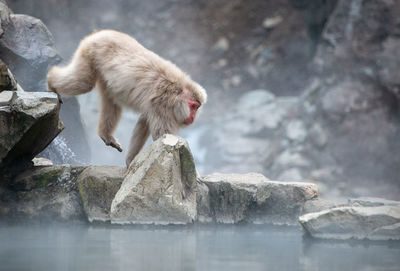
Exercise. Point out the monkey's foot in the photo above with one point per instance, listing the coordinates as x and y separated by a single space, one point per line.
58 95
113 143
59 98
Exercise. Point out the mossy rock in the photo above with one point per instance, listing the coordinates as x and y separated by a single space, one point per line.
97 186
44 176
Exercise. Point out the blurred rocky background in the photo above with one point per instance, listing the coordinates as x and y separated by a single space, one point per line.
298 90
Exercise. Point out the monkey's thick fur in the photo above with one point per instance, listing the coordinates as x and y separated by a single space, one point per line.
128 75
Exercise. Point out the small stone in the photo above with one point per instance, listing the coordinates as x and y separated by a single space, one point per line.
236 80
39 161
272 22
222 44
6 97
222 62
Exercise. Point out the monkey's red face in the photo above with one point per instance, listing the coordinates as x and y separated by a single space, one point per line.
193 107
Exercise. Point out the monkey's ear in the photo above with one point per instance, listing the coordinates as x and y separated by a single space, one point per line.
179 91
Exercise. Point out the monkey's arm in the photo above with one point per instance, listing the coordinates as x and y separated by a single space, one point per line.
140 134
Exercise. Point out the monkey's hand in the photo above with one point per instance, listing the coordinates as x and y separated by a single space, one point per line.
113 143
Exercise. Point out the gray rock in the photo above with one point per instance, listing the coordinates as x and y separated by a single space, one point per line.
375 223
372 202
348 97
44 193
391 232
203 203
320 204
38 161
160 186
27 48
44 176
97 186
7 80
28 123
222 44
235 198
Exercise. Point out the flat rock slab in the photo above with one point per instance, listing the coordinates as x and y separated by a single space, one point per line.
97 186
235 198
28 123
374 223
160 186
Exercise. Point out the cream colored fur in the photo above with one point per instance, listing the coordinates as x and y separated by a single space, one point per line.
128 75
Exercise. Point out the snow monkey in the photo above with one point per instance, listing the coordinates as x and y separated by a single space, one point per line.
128 75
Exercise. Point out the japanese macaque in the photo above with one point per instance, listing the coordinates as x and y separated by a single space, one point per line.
128 75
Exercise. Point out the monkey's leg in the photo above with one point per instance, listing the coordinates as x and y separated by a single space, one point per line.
140 134
158 132
110 115
78 77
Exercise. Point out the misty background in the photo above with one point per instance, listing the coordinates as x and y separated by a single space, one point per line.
298 90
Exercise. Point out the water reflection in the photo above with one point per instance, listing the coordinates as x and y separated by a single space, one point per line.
79 247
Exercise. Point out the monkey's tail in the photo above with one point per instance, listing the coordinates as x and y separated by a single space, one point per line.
76 78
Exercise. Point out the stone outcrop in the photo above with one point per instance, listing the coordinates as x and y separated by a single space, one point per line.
28 123
97 186
374 223
160 186
43 193
27 48
235 198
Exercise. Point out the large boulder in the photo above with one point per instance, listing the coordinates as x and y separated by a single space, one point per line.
43 193
97 186
28 123
253 198
27 48
374 223
160 186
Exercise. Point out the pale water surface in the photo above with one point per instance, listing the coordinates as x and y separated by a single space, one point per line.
82 247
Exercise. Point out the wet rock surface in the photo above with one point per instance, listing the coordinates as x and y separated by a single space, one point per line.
97 186
28 124
236 198
43 193
160 186
374 223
